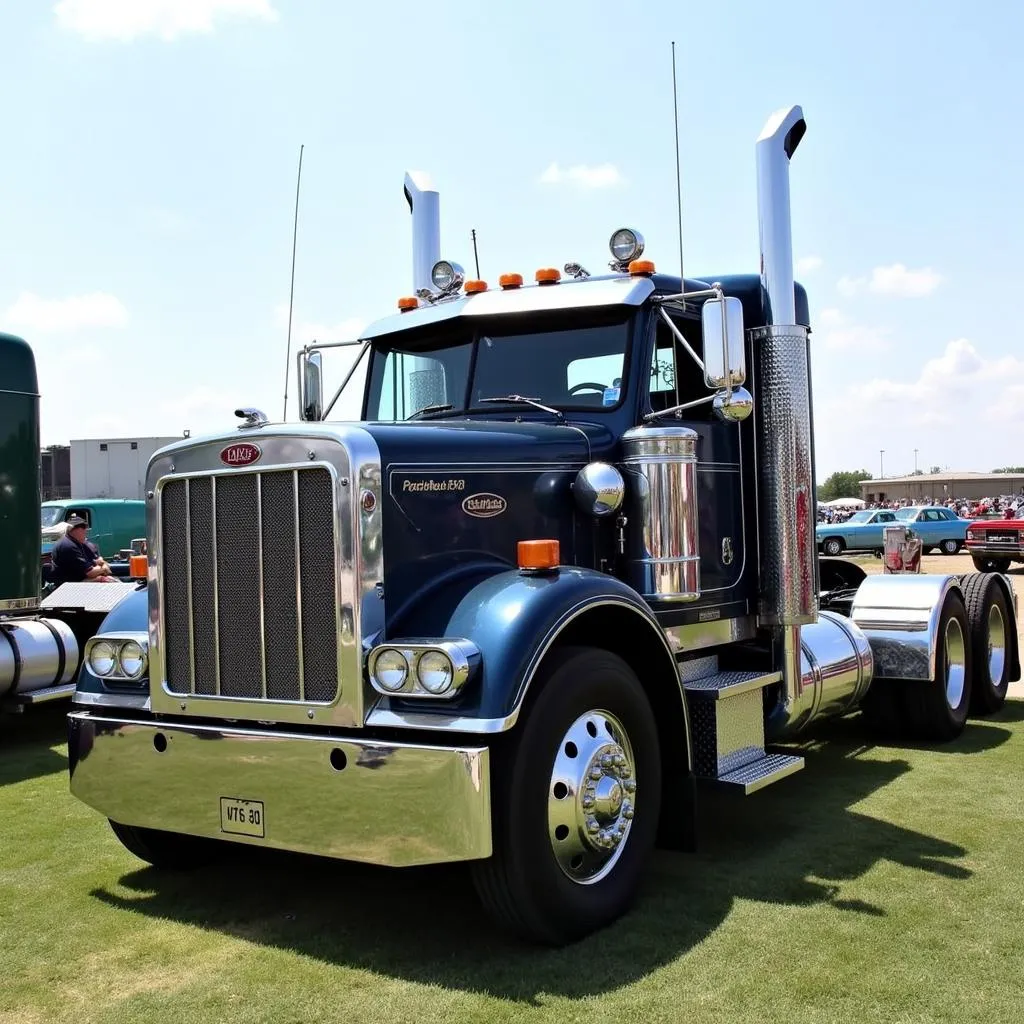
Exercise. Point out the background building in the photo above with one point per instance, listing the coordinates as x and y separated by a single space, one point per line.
940 487
114 467
55 472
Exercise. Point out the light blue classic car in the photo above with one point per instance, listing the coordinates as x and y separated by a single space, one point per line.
936 526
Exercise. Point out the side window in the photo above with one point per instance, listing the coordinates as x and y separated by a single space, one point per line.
411 383
82 513
672 369
887 517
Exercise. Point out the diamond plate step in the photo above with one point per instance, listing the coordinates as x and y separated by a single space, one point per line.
730 684
46 694
758 774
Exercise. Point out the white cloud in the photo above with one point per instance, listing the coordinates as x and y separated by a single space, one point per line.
840 335
808 264
36 315
124 20
582 176
895 280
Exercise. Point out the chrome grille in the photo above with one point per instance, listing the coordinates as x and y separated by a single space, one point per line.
220 638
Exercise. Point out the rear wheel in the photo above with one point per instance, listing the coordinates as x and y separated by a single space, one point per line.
950 547
833 546
985 564
989 620
575 801
937 709
170 851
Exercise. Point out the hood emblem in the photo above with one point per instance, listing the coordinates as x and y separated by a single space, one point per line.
245 453
484 505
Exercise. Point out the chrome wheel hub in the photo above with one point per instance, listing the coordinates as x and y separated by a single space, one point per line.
956 663
996 644
591 797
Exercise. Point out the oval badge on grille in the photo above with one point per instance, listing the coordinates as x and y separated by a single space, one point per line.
243 454
484 505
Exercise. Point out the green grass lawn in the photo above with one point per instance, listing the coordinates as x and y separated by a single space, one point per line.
880 884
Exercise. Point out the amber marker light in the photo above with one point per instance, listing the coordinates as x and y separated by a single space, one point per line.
408 302
475 287
511 281
548 275
641 268
138 567
538 554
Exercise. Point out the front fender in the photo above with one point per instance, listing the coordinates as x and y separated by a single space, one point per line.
128 615
513 619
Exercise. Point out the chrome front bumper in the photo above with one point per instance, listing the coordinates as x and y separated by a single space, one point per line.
383 803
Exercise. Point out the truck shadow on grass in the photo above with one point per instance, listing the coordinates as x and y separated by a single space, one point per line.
26 740
794 844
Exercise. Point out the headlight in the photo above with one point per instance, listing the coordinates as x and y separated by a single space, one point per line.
391 669
435 671
132 659
447 276
102 658
626 244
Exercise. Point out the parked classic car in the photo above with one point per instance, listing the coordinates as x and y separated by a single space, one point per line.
994 543
936 526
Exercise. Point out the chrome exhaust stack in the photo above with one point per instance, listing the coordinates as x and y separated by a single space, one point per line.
788 595
425 207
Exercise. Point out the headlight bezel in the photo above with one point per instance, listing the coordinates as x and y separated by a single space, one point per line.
462 656
117 643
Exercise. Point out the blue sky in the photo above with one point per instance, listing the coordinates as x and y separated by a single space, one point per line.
148 176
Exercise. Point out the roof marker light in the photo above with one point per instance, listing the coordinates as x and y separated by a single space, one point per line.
548 275
641 268
407 303
475 287
507 281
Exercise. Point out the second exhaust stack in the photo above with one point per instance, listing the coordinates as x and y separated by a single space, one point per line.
425 207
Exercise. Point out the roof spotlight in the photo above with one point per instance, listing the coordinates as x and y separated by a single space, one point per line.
625 245
447 276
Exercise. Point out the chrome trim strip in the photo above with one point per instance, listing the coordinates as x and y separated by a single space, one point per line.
188 586
389 803
135 702
216 602
259 563
19 604
298 583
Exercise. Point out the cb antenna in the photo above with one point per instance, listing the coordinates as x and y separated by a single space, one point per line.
476 256
679 180
291 291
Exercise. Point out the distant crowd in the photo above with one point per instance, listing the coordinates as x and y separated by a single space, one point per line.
1007 506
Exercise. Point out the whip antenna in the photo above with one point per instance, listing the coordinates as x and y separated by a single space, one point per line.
476 255
679 181
291 291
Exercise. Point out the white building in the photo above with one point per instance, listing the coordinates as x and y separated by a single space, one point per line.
113 467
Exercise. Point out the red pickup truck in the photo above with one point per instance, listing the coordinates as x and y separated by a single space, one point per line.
994 543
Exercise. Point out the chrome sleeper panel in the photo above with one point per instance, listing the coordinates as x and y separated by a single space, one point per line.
392 804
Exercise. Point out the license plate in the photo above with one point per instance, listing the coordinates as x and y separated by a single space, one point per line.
1003 538
242 817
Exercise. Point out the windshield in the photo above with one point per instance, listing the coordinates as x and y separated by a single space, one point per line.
860 517
576 368
51 515
906 513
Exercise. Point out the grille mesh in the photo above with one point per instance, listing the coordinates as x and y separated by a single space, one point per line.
210 524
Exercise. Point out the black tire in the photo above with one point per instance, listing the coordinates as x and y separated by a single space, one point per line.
950 547
988 618
523 885
832 546
937 709
985 564
169 851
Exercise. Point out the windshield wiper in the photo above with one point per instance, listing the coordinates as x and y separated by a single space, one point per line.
522 400
427 409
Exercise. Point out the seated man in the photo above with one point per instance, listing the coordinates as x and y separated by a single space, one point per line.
75 560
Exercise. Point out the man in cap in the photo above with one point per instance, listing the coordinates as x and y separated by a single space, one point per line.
75 560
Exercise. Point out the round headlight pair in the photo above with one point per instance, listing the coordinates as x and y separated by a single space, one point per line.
434 670
105 656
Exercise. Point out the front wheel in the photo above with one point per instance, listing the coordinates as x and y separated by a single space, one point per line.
832 547
984 564
949 547
170 851
575 802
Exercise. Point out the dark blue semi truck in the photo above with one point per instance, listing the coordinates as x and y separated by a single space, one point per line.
561 571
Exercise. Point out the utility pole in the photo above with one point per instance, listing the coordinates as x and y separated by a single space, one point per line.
915 462
881 464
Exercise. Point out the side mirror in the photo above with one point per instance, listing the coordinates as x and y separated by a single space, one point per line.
311 386
724 359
